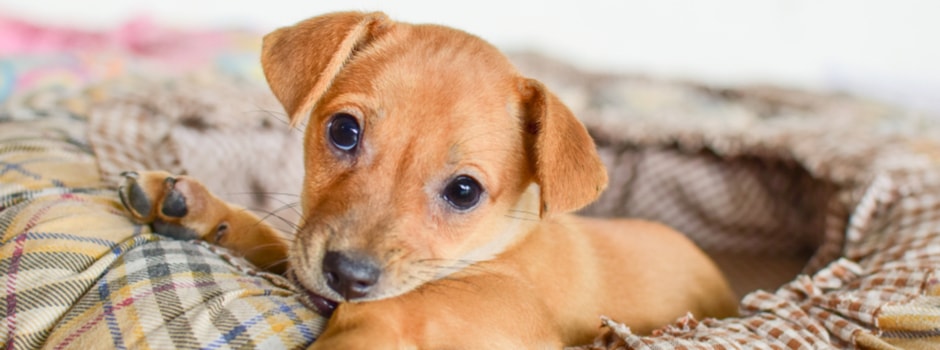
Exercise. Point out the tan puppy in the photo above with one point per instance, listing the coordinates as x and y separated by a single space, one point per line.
437 182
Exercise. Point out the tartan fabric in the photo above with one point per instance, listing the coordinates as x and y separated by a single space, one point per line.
845 187
198 127
77 273
171 294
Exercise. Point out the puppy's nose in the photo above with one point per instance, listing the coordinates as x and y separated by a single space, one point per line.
350 275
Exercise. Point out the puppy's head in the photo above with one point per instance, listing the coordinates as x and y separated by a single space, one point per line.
426 152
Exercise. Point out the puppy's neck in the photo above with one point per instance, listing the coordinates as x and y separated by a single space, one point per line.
518 221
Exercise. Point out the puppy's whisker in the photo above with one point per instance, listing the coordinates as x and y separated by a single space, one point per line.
265 215
286 236
266 193
263 246
282 118
523 212
293 206
274 114
289 235
274 263
285 203
522 218
453 264
449 283
273 214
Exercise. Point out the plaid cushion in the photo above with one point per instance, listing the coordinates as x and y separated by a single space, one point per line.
78 274
742 172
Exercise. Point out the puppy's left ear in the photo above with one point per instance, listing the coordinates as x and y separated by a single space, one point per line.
562 154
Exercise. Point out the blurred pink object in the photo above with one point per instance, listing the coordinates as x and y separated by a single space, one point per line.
137 37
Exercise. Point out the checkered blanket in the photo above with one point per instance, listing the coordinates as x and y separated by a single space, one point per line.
761 176
78 274
833 197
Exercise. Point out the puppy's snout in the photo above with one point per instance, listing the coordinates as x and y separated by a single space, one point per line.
351 275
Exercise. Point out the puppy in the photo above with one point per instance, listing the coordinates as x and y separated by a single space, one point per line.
435 197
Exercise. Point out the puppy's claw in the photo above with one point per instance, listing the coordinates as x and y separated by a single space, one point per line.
133 196
174 204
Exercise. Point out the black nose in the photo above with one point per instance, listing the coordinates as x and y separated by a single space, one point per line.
349 274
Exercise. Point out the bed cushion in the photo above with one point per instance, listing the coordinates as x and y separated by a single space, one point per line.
78 273
763 176
832 197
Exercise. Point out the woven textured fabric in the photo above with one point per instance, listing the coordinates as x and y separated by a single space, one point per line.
77 273
772 183
170 294
846 187
227 131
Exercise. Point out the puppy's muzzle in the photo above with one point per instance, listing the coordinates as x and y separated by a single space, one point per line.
352 275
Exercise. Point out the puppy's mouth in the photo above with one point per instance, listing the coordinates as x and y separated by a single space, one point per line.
318 303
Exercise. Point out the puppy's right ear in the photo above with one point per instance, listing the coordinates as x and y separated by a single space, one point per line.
567 167
301 61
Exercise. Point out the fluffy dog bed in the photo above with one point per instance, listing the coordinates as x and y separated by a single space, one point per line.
821 209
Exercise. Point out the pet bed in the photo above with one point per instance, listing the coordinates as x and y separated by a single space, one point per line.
821 209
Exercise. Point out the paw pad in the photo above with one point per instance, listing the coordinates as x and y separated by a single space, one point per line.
174 204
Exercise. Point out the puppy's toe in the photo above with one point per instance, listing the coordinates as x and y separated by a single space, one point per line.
134 197
175 230
174 203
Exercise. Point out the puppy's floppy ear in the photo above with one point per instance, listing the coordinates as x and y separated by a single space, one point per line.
567 168
301 61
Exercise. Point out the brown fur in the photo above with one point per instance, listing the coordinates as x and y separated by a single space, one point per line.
514 272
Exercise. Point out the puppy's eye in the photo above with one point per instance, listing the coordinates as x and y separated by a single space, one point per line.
463 192
344 131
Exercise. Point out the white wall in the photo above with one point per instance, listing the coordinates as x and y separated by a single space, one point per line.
884 48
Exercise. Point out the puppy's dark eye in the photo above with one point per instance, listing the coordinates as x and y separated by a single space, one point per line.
463 192
344 131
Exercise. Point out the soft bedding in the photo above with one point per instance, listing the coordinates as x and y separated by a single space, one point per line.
822 209
78 274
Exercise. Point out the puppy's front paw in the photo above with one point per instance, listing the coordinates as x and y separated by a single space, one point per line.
162 200
182 208
134 197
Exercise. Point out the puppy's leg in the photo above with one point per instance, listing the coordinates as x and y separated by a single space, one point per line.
490 310
181 207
